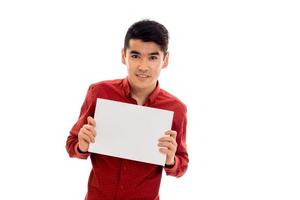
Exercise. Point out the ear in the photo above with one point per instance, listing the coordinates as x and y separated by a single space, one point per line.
165 61
123 52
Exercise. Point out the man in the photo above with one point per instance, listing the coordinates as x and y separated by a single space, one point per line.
145 53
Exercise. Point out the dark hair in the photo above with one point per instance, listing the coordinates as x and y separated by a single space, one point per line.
148 31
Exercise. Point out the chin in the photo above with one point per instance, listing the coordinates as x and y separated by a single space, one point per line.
143 84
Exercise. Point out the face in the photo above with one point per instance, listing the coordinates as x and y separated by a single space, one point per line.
144 60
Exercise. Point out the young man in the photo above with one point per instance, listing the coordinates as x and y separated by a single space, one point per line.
145 53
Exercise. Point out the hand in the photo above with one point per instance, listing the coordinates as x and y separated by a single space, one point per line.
87 135
168 146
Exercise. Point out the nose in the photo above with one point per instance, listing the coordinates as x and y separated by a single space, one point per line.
144 65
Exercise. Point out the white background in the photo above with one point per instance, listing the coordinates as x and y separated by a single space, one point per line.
234 63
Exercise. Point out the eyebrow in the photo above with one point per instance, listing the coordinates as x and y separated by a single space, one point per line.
136 52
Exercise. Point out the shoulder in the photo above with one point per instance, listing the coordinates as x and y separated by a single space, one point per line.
178 105
106 84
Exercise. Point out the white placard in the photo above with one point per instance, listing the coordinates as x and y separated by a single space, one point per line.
130 131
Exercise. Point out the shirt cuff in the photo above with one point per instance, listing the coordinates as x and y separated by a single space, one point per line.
169 170
79 154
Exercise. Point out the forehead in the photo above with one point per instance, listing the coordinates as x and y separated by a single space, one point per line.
143 47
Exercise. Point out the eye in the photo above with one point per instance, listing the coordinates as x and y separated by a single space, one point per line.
135 56
153 57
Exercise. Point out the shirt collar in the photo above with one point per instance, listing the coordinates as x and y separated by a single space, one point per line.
127 89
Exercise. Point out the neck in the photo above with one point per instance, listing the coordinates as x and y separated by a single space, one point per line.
141 95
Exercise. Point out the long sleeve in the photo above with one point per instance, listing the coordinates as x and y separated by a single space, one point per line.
181 155
87 109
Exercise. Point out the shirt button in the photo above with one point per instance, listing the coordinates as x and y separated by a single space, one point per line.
122 187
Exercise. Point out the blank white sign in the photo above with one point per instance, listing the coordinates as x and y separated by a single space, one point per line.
130 131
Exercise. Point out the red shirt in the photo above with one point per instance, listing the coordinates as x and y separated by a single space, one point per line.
122 179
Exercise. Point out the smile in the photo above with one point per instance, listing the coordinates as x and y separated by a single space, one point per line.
142 75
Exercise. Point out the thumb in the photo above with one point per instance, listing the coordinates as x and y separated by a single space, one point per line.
91 121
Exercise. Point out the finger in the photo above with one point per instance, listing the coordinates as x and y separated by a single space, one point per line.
91 121
168 145
165 151
90 128
89 134
85 138
173 134
168 139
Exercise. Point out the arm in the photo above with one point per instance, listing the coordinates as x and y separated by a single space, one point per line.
180 160
72 144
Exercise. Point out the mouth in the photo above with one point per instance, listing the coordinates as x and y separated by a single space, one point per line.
142 75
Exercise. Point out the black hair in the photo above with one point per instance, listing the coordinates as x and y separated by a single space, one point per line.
148 31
